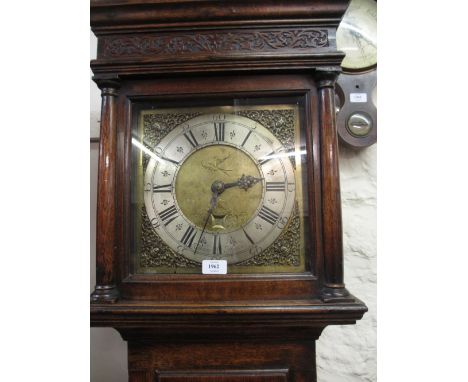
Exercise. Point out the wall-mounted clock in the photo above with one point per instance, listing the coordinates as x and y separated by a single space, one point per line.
218 145
356 88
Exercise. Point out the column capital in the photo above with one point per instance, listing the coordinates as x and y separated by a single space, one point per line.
326 76
109 85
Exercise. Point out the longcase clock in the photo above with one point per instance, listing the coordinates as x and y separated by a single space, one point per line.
219 242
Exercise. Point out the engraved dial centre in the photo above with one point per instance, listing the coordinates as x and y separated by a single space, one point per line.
218 163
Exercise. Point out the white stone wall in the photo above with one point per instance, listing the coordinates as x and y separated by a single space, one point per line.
349 353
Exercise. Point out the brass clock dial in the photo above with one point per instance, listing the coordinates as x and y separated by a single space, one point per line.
357 35
219 186
204 167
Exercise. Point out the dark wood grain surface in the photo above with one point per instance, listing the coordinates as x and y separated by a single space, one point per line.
168 37
108 15
106 290
240 361
331 196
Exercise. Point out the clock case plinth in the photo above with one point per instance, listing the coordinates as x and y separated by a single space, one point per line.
261 341
233 327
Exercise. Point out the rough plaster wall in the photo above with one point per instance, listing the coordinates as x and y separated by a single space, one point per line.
344 353
349 353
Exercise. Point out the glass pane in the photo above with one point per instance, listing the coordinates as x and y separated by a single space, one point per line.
225 182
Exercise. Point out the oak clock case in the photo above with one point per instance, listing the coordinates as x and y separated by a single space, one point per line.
219 183
219 142
228 173
356 89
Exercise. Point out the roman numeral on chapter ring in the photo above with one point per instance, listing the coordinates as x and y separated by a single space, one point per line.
246 137
168 215
219 130
191 138
268 215
248 237
189 235
266 158
275 186
163 188
171 160
217 245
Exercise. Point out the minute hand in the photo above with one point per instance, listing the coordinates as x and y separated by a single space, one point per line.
213 202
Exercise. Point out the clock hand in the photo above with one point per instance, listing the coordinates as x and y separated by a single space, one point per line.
245 182
213 202
218 187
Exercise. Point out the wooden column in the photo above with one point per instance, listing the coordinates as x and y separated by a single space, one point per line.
334 287
106 289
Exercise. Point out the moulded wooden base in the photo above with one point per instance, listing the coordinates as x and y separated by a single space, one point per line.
226 341
156 320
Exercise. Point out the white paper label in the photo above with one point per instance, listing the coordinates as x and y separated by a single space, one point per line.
358 97
214 267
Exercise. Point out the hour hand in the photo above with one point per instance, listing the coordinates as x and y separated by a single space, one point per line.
245 182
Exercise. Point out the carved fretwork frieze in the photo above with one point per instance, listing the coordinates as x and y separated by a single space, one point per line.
164 46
